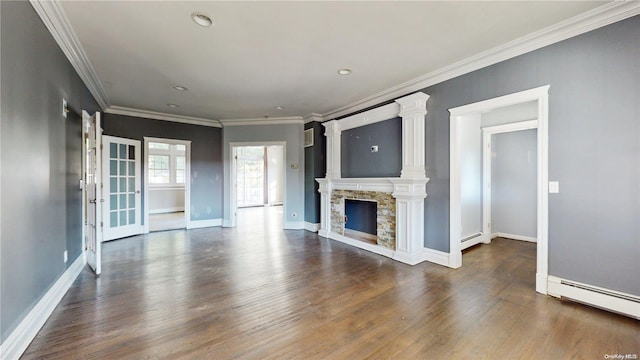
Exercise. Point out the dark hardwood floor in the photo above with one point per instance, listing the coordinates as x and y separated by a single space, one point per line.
257 292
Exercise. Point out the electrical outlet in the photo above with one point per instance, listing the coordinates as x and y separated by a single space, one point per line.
554 187
294 214
374 148
65 255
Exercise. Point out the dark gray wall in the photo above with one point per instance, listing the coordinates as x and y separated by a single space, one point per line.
41 162
361 216
514 183
315 166
594 149
356 158
206 156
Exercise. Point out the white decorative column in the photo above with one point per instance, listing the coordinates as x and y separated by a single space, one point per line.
409 195
325 207
332 132
413 109
410 189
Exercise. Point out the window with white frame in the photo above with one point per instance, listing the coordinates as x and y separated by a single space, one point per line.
167 164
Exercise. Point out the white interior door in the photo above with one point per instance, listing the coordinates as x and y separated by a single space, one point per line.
92 190
121 187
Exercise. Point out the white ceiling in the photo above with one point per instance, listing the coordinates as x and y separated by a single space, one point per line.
260 55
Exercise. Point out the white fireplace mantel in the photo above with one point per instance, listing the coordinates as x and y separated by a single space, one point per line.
409 189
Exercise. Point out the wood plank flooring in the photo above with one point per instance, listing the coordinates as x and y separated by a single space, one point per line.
258 292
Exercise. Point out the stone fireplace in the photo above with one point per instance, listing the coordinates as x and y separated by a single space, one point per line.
400 209
385 213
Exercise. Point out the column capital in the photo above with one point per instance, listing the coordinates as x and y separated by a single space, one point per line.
413 104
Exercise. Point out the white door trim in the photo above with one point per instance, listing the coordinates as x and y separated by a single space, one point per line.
487 132
541 95
187 178
92 256
233 190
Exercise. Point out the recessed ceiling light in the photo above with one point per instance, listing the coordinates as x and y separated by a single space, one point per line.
201 19
180 88
279 107
173 106
344 71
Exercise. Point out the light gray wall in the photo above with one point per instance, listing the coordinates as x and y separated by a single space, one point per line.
275 174
471 175
162 200
594 149
356 158
206 156
41 202
514 183
294 154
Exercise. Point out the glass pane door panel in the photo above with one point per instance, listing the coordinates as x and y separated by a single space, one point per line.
123 182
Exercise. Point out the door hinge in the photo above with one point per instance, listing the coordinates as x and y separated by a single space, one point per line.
101 224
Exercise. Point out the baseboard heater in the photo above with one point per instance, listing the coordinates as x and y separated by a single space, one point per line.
472 236
619 302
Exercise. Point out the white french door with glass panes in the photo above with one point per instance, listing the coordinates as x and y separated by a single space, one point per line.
121 187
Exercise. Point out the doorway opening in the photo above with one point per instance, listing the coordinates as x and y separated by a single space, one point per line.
167 184
472 128
258 177
509 175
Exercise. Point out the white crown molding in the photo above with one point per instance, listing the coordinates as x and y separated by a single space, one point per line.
55 19
263 121
601 16
313 117
148 114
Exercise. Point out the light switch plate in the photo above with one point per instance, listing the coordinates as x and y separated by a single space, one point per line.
554 187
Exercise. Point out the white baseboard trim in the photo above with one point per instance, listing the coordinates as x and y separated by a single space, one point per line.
542 283
514 237
18 341
196 224
166 210
606 299
313 227
434 256
227 223
294 225
437 257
